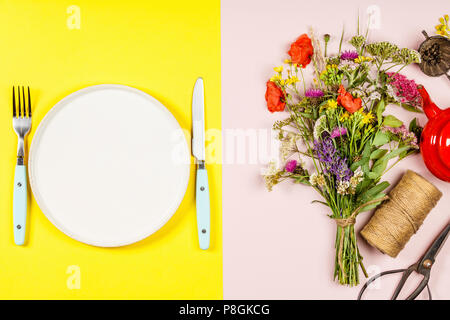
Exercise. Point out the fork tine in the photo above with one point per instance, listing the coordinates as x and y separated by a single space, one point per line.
14 102
22 109
29 103
19 104
24 105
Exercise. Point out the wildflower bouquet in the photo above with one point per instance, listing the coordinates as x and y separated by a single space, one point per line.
338 138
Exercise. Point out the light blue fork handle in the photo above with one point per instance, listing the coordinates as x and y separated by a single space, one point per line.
20 204
203 209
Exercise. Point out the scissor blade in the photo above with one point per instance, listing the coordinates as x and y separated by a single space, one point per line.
198 121
436 246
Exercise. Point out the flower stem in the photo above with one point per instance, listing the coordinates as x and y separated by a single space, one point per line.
363 269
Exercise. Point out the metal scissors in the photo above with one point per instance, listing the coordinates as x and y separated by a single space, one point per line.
423 267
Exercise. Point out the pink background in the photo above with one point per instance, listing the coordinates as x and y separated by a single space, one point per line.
278 245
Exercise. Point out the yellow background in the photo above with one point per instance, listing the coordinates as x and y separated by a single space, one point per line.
160 47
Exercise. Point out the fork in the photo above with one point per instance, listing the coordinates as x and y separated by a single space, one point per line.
21 125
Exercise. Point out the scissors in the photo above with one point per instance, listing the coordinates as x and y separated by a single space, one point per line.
423 267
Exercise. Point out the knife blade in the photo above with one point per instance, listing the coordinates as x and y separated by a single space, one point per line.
198 121
198 151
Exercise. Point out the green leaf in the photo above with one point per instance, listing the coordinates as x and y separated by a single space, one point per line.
413 125
408 153
415 128
378 169
410 108
377 154
374 205
391 121
342 39
364 185
403 154
364 162
394 153
379 110
355 165
322 202
306 115
380 165
372 192
381 138
372 176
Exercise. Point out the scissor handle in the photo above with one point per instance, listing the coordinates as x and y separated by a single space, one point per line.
419 289
406 274
375 277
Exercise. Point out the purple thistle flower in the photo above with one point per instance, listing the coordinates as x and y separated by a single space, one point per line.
337 132
313 93
290 166
334 164
349 55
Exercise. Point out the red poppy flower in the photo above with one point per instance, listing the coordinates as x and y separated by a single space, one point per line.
301 51
274 97
346 100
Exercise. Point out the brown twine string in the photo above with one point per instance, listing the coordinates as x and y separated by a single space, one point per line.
345 222
395 221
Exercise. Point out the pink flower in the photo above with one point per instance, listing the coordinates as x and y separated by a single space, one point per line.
405 89
338 131
291 165
314 93
349 55
404 134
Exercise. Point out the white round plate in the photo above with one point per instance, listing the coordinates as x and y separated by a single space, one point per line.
109 165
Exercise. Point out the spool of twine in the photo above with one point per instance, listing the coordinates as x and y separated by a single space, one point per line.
397 219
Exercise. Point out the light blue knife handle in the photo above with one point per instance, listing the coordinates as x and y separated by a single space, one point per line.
203 210
20 204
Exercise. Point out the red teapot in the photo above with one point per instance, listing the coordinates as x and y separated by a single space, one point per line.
435 138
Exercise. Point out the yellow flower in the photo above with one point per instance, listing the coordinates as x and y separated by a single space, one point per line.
362 59
287 61
345 116
292 80
442 28
332 66
278 69
331 104
275 78
367 117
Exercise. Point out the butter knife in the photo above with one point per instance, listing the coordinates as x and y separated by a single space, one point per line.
198 151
